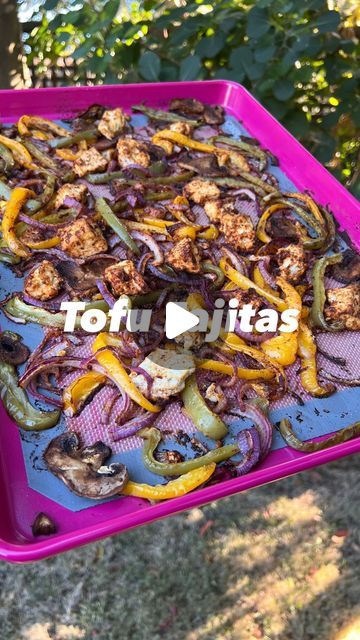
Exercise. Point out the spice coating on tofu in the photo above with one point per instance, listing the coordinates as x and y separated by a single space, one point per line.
81 239
344 306
75 191
291 261
89 161
112 122
184 256
199 191
216 209
44 282
124 279
131 151
238 231
169 371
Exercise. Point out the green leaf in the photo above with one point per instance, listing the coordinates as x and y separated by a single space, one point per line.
169 72
329 21
50 5
264 54
83 50
210 47
258 22
296 123
190 68
149 66
283 90
278 109
237 75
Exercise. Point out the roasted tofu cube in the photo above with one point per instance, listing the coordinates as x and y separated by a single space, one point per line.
89 161
75 191
124 279
181 127
200 191
44 282
169 370
291 261
215 209
248 297
344 306
184 256
132 152
112 122
238 231
215 394
190 340
81 239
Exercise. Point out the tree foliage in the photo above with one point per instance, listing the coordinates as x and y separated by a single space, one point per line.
300 59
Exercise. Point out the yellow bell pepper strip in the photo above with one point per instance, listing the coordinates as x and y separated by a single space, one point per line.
155 222
186 232
317 309
271 366
245 283
117 373
285 428
261 233
209 233
42 244
152 438
173 489
67 154
184 141
80 390
196 408
283 348
308 372
25 123
140 226
20 153
18 197
227 369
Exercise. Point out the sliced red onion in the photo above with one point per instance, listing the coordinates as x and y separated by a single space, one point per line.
262 422
237 261
149 241
50 305
72 203
249 445
143 260
134 425
32 389
49 363
264 265
108 297
141 372
252 336
99 190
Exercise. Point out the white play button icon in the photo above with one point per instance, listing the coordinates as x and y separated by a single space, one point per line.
178 320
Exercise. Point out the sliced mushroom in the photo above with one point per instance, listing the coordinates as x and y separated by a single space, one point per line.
214 114
82 277
348 270
43 525
12 349
83 468
187 106
205 165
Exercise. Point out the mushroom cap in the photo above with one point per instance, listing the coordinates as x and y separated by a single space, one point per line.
83 469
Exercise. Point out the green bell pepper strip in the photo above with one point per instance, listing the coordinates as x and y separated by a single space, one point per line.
165 116
209 267
151 196
320 230
101 178
249 149
7 158
156 169
44 160
48 192
9 258
152 438
65 142
203 418
5 191
235 183
343 435
17 308
110 218
317 310
18 406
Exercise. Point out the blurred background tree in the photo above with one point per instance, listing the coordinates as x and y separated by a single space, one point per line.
301 59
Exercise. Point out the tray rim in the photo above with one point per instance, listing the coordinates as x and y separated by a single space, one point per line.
30 551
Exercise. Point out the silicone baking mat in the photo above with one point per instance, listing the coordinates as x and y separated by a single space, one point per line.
315 418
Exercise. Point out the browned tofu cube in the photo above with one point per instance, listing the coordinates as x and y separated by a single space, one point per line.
184 256
291 261
81 239
75 191
124 279
112 122
344 306
44 282
132 152
89 161
181 127
215 209
238 231
199 191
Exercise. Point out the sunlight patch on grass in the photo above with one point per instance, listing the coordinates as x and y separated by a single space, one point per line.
45 631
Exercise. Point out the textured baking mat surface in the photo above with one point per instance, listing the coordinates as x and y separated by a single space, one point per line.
315 418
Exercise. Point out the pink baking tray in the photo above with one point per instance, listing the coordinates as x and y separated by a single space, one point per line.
18 502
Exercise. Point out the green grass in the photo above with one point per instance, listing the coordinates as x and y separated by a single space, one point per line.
278 563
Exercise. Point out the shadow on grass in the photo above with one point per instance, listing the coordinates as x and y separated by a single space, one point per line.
279 562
